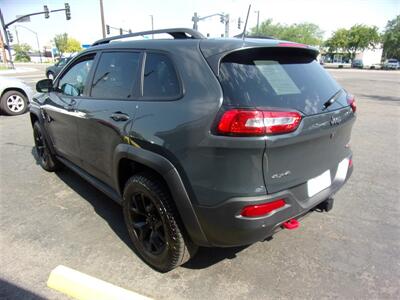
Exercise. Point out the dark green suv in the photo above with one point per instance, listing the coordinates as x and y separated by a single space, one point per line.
204 142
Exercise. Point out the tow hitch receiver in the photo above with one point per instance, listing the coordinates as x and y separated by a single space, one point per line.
326 205
291 224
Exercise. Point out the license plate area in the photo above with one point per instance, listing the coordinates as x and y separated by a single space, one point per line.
319 183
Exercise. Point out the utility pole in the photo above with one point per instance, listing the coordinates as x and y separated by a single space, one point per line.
152 26
258 20
102 19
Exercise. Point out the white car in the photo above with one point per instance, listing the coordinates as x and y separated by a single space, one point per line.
15 96
391 64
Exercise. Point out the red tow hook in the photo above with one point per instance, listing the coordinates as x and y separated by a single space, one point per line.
291 224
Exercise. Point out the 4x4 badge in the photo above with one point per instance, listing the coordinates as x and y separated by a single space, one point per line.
335 121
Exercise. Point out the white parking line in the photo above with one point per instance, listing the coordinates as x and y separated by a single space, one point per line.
84 287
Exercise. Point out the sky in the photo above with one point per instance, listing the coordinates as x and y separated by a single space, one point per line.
85 23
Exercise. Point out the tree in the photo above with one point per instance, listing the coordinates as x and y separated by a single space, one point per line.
338 41
21 52
305 33
73 45
353 40
66 44
362 37
61 41
391 39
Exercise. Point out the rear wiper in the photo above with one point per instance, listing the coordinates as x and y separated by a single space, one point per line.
332 99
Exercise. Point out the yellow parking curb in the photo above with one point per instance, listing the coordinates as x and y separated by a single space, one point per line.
84 287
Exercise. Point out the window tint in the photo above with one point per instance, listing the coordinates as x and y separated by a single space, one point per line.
116 75
160 79
72 83
289 79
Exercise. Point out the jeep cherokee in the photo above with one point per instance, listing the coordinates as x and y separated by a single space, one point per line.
204 142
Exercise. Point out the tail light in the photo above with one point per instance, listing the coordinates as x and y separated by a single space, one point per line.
259 210
351 100
240 122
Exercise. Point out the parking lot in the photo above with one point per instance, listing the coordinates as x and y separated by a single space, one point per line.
51 219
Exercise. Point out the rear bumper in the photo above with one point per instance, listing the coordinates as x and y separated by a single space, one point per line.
225 227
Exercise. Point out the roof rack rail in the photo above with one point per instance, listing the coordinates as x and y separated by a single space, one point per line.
176 33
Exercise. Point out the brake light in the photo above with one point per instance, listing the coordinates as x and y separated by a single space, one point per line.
259 210
242 122
351 100
296 45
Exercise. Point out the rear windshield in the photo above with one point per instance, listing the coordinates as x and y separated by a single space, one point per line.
278 78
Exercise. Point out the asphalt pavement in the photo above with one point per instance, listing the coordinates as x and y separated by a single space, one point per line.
51 219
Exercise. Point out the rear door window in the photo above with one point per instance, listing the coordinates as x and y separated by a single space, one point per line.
278 78
160 80
116 75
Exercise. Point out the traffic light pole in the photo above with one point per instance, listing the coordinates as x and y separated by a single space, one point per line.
5 26
224 19
7 41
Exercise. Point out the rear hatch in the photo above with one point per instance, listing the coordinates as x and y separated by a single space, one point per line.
290 79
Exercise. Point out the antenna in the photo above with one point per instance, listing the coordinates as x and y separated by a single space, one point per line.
245 24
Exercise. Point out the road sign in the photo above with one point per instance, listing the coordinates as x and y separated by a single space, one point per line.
26 19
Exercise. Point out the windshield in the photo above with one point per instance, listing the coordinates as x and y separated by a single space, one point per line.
277 77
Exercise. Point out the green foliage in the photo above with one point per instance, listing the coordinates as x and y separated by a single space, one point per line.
66 44
338 41
391 39
21 52
353 40
305 33
73 45
61 41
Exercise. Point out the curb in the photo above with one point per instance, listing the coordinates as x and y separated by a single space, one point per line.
84 287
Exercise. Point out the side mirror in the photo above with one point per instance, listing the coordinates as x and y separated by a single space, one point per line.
70 90
44 85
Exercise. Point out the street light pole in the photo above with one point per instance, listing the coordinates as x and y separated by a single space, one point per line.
37 39
258 19
102 19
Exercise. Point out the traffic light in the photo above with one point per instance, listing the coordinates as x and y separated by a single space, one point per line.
46 12
108 29
10 36
239 23
120 31
67 11
222 19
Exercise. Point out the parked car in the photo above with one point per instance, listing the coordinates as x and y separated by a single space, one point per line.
52 71
15 96
391 64
204 142
357 63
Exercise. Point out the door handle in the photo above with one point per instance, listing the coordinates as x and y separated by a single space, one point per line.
70 106
119 116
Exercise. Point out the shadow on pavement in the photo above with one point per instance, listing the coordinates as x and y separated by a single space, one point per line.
9 290
379 97
111 212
